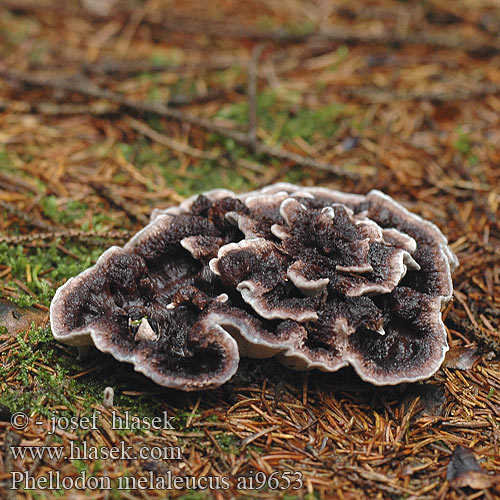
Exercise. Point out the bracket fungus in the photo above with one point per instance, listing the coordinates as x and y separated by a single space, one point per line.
318 278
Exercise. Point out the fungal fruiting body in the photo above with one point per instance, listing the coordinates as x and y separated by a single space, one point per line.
318 278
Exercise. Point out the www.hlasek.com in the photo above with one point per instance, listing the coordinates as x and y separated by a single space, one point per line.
86 452
282 480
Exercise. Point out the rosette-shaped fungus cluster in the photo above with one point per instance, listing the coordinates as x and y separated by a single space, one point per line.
316 277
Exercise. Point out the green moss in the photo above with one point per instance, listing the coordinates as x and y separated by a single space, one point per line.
196 495
171 56
228 443
284 118
184 87
342 52
5 160
463 143
296 176
59 265
302 28
14 29
65 212
266 22
182 417
80 465
227 77
42 376
156 94
201 175
43 372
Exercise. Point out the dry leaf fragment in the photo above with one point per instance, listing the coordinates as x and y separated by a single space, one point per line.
461 358
464 470
18 319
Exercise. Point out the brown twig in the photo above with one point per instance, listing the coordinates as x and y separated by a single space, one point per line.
380 95
169 142
211 95
16 183
106 108
333 34
78 234
89 89
26 217
194 26
53 108
222 159
253 69
112 67
118 202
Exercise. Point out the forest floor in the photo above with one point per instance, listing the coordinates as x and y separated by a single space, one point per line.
110 109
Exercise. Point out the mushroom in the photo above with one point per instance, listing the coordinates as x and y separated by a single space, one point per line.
318 278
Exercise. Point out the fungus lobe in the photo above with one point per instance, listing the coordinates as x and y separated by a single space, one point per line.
316 277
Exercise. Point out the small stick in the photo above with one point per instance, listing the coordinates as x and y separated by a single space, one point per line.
26 218
331 34
89 89
118 202
169 142
375 94
18 184
112 67
253 69
78 234
222 29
